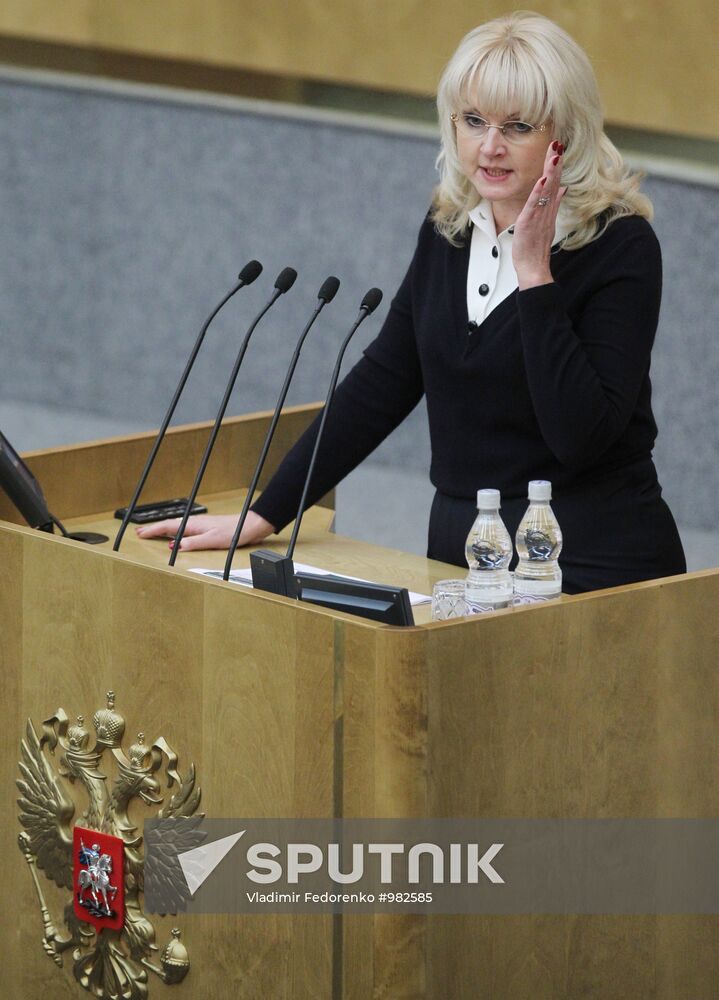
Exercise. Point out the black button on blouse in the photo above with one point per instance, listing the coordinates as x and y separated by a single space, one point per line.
483 289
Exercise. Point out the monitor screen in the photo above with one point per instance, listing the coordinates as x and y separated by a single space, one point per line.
22 488
381 603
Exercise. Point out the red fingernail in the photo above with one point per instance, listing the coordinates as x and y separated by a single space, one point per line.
543 181
555 145
560 149
555 161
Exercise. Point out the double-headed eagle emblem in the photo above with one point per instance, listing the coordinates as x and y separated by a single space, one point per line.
112 941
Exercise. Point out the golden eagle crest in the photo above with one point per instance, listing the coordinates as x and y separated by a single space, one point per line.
109 961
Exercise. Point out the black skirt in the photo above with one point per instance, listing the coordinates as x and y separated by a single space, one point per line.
616 530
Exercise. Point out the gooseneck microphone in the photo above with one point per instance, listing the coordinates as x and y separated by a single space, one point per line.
247 275
271 571
285 281
326 293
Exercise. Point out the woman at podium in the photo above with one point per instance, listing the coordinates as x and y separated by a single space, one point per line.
526 318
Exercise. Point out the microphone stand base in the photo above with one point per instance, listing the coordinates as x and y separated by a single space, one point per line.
273 573
89 537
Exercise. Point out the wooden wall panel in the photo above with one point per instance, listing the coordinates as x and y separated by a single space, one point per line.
14 884
655 61
70 21
583 711
98 476
242 688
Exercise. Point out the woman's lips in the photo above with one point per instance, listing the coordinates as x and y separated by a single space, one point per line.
494 173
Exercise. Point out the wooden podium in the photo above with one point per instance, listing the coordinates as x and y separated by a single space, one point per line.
601 705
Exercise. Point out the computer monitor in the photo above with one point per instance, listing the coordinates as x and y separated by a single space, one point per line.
25 493
22 488
381 603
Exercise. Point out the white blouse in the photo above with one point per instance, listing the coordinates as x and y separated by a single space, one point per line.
491 276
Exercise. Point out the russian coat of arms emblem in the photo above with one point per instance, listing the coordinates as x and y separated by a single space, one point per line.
100 859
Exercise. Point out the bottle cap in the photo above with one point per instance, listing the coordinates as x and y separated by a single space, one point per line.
488 499
540 489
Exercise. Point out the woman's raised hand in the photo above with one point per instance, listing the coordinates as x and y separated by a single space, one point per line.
209 531
535 225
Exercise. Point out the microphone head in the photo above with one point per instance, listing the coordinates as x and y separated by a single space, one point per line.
371 300
329 289
251 270
286 279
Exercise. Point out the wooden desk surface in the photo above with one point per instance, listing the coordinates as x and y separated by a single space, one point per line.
317 546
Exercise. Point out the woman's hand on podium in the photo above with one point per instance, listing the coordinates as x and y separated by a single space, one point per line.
209 531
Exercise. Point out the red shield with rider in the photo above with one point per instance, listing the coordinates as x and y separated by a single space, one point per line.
98 870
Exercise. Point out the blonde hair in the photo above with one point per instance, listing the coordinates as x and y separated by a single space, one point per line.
525 63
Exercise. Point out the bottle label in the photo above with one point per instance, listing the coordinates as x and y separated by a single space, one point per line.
519 599
479 607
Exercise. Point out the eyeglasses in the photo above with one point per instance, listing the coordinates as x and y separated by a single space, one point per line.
473 126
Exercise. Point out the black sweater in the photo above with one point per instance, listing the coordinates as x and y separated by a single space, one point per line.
554 384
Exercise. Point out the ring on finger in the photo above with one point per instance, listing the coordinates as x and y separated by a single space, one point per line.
541 202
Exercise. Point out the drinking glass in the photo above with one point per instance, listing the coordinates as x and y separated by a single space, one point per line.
448 600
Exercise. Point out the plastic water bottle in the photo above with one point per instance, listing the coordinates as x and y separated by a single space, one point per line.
538 576
488 552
